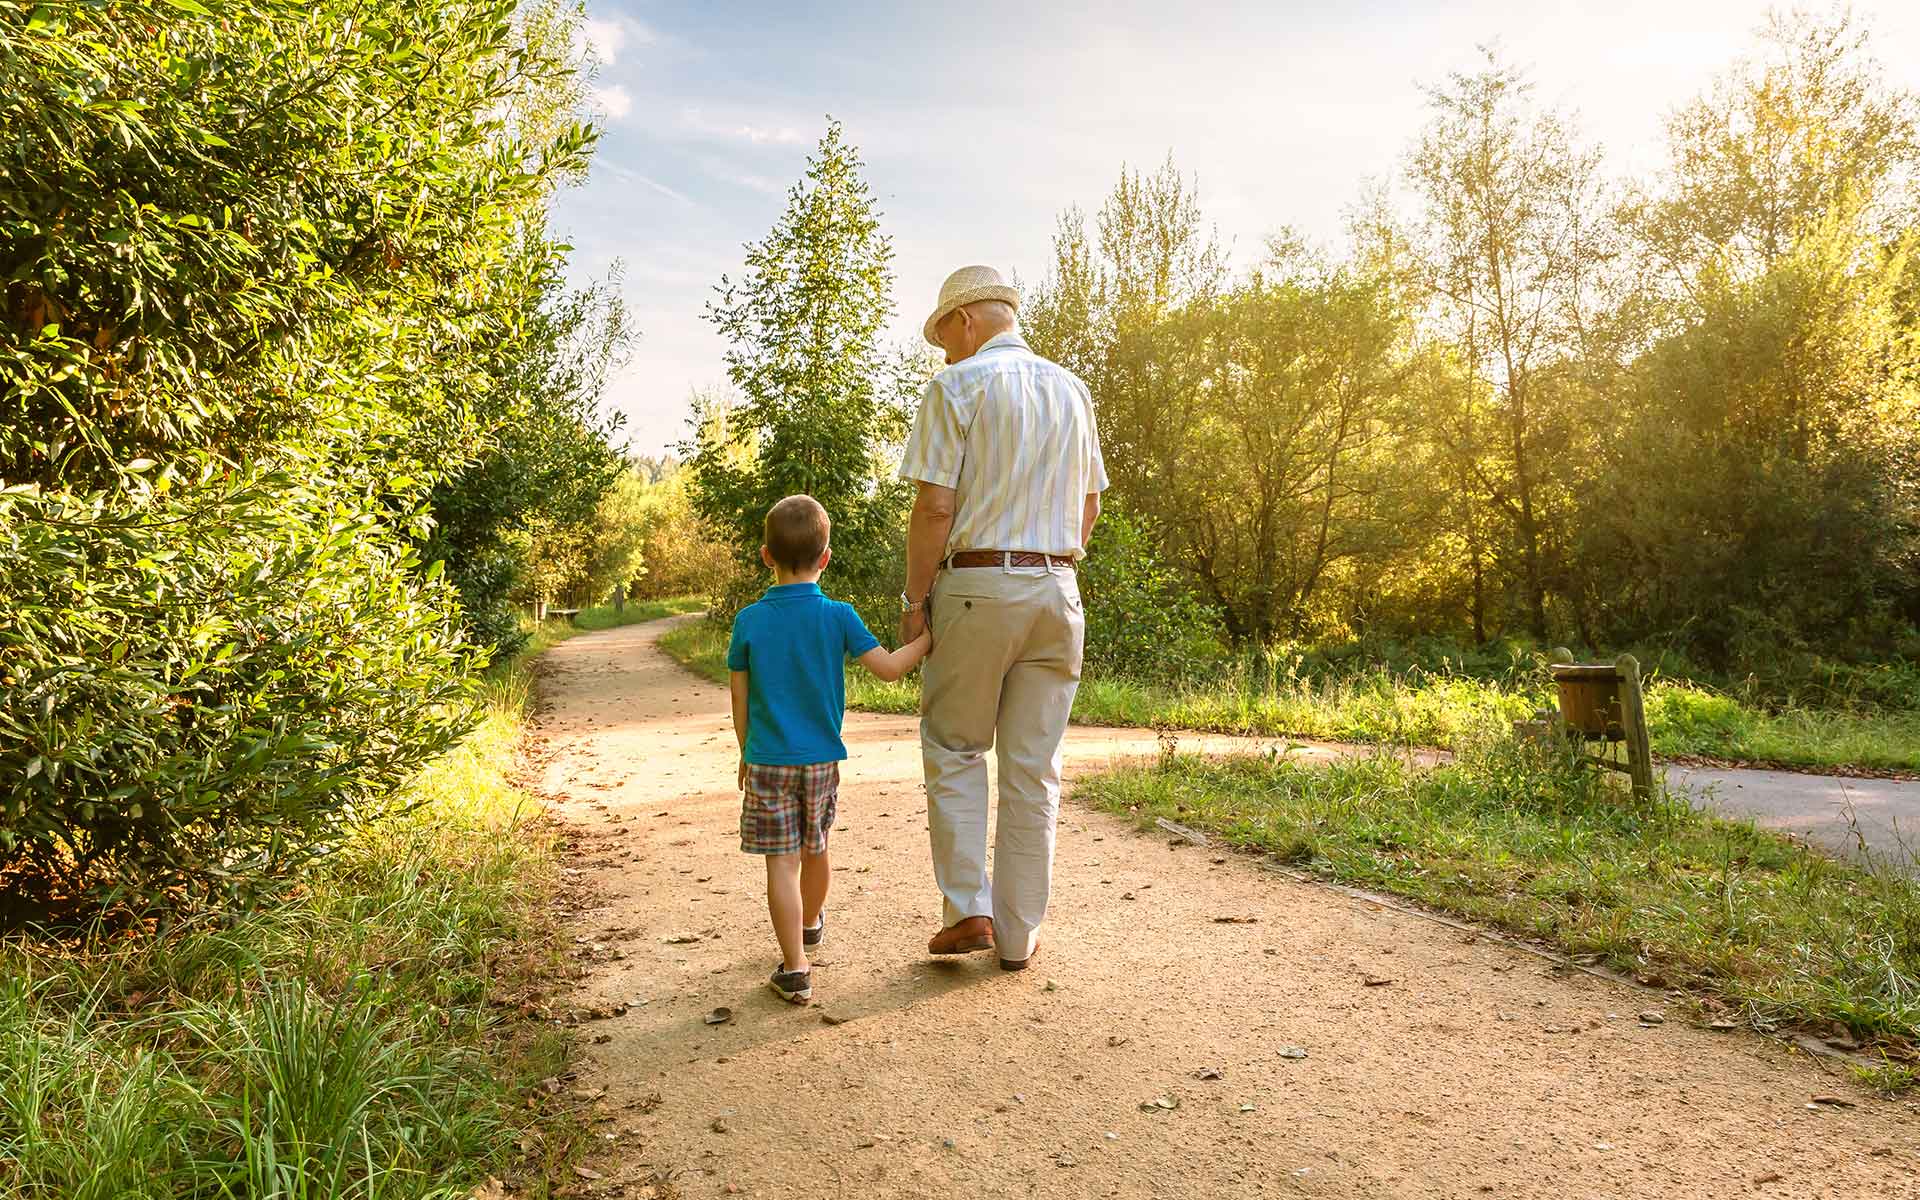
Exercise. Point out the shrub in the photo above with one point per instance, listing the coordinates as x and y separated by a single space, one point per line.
1143 619
258 263
194 692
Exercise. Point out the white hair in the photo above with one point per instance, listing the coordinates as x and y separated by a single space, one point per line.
988 312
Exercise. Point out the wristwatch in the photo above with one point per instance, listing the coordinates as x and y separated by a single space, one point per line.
908 605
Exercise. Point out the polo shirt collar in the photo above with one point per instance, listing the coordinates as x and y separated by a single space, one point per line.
1006 339
787 591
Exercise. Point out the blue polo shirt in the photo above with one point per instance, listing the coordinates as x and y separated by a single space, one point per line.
793 643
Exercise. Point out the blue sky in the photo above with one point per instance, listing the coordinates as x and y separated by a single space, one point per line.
980 121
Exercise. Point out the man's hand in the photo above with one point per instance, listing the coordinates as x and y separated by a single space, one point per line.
742 784
913 624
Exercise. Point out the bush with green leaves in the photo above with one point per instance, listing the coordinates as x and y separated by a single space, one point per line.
258 259
1143 620
194 691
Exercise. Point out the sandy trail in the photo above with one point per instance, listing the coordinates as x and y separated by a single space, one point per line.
1479 1070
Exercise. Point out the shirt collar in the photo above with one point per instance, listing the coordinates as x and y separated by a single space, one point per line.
1004 339
782 591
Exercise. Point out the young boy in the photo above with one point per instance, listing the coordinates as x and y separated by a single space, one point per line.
789 695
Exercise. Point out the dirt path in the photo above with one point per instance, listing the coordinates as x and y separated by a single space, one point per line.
1479 1070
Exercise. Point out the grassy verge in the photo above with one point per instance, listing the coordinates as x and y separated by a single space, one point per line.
636 611
1443 711
1761 931
348 1042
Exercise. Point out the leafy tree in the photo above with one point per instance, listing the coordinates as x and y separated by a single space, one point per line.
679 555
513 517
1105 312
1778 142
820 403
257 257
1511 238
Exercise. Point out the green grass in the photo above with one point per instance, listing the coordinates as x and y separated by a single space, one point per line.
636 611
1420 708
349 1041
1759 929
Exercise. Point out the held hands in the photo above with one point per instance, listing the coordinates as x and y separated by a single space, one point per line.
913 624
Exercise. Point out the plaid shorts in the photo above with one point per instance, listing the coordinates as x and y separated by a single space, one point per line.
788 809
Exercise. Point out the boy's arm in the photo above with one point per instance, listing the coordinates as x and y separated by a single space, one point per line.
737 685
890 665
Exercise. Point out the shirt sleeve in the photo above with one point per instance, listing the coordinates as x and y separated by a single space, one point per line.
859 638
938 442
1097 468
737 649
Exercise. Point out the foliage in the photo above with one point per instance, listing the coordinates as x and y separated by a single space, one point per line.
819 404
1142 617
345 1043
1682 413
1760 929
677 554
523 514
634 612
1508 247
261 262
210 724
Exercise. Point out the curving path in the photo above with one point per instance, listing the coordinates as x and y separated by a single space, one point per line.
1478 1070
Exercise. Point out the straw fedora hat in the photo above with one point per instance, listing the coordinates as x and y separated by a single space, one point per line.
966 286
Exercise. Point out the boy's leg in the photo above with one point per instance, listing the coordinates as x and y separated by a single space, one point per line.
819 800
816 874
771 817
783 905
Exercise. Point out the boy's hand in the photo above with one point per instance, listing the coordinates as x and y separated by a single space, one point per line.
742 782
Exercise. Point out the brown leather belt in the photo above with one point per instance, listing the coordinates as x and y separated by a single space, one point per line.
1011 558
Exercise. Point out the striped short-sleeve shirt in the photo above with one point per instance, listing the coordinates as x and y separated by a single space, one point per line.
1013 435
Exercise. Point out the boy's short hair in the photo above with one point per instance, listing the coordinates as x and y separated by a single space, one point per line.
796 533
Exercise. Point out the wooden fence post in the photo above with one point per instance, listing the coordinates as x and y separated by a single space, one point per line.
1633 711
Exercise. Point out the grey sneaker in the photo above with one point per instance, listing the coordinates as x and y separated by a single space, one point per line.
816 936
795 987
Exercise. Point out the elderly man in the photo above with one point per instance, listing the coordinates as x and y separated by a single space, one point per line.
1010 475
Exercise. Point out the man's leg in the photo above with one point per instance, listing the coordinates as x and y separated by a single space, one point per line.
1035 703
960 697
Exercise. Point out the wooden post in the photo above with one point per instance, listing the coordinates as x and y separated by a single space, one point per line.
1633 712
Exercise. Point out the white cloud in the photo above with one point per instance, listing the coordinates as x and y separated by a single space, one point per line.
616 102
757 133
607 38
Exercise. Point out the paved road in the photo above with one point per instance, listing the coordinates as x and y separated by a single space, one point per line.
1875 819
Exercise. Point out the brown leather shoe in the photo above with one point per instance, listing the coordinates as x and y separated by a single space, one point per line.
1020 964
974 933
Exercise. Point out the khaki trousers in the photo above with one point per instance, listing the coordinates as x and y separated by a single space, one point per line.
1007 645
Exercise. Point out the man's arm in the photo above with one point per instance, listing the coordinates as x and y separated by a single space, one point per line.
1088 515
737 685
927 532
890 665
